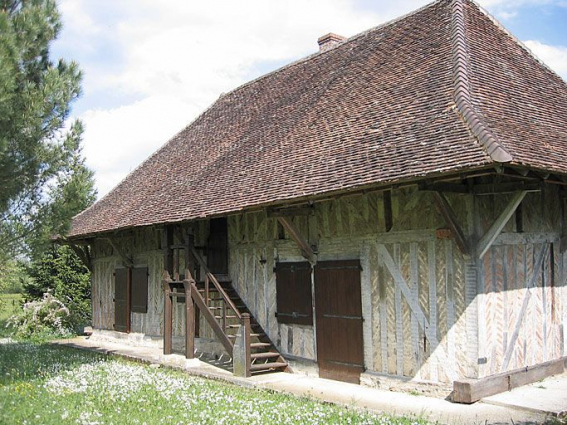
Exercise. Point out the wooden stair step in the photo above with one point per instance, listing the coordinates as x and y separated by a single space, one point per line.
266 355
265 366
252 335
226 317
252 325
260 344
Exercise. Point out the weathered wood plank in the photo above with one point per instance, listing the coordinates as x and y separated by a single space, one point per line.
468 391
450 217
306 250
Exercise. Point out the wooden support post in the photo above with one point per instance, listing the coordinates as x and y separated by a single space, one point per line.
306 250
190 265
451 219
166 242
189 316
128 299
167 316
245 327
224 315
490 236
388 216
207 288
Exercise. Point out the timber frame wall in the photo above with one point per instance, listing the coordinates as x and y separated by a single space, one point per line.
430 311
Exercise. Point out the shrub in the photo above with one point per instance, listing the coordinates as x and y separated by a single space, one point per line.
63 274
42 318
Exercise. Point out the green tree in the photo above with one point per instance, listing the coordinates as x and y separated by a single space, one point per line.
41 168
60 272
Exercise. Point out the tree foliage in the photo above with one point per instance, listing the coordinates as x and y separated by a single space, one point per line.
60 272
43 179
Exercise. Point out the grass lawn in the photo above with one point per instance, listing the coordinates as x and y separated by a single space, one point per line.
8 305
46 384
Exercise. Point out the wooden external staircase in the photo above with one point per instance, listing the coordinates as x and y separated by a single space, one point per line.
228 316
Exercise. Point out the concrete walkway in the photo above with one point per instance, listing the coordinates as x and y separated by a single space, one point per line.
534 403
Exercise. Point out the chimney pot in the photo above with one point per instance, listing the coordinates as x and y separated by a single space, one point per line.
329 41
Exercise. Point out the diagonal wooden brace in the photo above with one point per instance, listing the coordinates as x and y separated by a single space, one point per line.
306 250
490 236
451 219
127 261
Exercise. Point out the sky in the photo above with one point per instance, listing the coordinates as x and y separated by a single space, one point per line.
151 67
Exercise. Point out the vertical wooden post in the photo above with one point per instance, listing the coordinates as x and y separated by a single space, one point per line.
128 298
224 315
245 321
167 316
166 242
207 283
190 266
189 316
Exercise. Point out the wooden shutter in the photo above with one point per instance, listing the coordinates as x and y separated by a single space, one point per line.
339 319
121 301
293 293
140 290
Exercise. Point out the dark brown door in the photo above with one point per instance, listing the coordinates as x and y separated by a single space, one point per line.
122 300
338 313
217 246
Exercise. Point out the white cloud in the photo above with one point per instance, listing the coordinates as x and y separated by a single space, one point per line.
554 56
176 57
117 140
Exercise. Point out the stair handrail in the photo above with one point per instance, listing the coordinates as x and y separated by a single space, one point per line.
213 279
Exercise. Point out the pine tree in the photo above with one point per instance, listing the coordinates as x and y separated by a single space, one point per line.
41 168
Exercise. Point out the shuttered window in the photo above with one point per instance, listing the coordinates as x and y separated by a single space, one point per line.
293 286
140 290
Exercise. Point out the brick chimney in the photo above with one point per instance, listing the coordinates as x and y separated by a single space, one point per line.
329 41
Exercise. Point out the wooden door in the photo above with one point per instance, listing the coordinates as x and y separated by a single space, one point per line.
122 300
217 246
338 313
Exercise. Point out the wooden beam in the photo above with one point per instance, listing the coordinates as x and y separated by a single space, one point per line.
522 312
451 219
508 187
388 215
290 211
166 242
167 315
444 187
416 310
468 391
488 239
219 332
306 250
189 317
127 261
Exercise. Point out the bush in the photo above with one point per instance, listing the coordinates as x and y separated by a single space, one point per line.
43 318
62 273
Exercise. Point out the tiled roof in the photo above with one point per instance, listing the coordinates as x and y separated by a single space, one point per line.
441 90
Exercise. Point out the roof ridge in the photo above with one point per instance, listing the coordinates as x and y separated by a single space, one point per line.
346 41
462 87
516 39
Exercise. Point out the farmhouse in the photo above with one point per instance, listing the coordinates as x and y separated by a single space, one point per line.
390 206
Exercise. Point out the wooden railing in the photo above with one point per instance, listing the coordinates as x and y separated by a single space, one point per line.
209 277
199 301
